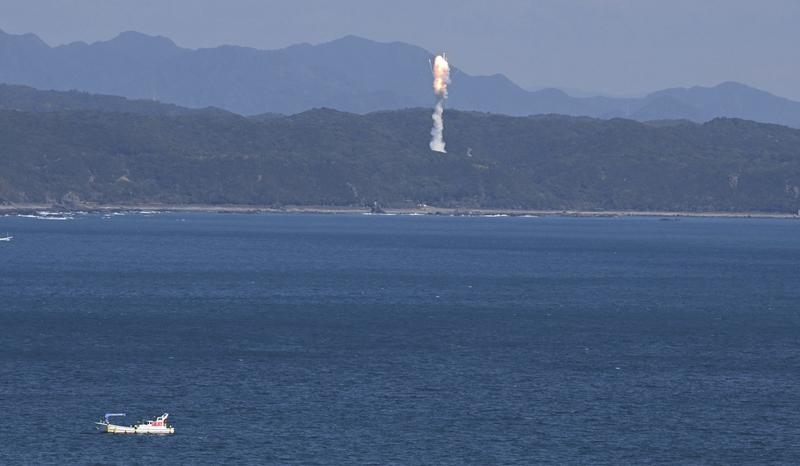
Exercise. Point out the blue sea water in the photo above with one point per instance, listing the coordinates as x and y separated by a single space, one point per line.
336 339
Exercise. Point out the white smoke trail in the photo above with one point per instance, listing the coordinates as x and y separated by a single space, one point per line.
437 140
441 78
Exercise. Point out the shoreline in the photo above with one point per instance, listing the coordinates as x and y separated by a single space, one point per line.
17 209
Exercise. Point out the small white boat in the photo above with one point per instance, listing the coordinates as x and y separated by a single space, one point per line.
7 237
157 426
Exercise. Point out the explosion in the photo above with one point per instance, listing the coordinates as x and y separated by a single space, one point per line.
441 75
441 78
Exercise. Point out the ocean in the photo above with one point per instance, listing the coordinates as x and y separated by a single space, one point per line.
367 339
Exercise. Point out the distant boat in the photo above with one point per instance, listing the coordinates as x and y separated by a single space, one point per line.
7 237
157 426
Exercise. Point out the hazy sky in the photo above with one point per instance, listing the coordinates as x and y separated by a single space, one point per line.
610 46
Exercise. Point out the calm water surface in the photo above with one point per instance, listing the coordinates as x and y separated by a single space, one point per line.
303 339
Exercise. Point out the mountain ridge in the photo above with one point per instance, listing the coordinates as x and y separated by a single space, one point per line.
351 73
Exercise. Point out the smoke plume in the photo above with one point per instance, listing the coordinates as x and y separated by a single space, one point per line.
441 78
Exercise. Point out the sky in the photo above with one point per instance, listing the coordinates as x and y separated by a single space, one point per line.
611 47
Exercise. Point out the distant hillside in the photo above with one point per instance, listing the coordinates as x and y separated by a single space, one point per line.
326 157
28 99
350 74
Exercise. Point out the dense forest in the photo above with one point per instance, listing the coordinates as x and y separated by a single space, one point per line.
326 157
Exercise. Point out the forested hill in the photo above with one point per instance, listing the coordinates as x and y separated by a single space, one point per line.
28 99
326 157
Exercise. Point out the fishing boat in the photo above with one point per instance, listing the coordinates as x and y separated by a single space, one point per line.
157 426
7 237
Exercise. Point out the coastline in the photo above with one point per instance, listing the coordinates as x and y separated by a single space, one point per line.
16 209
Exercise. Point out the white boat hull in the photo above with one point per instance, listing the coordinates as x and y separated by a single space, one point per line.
158 426
139 429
